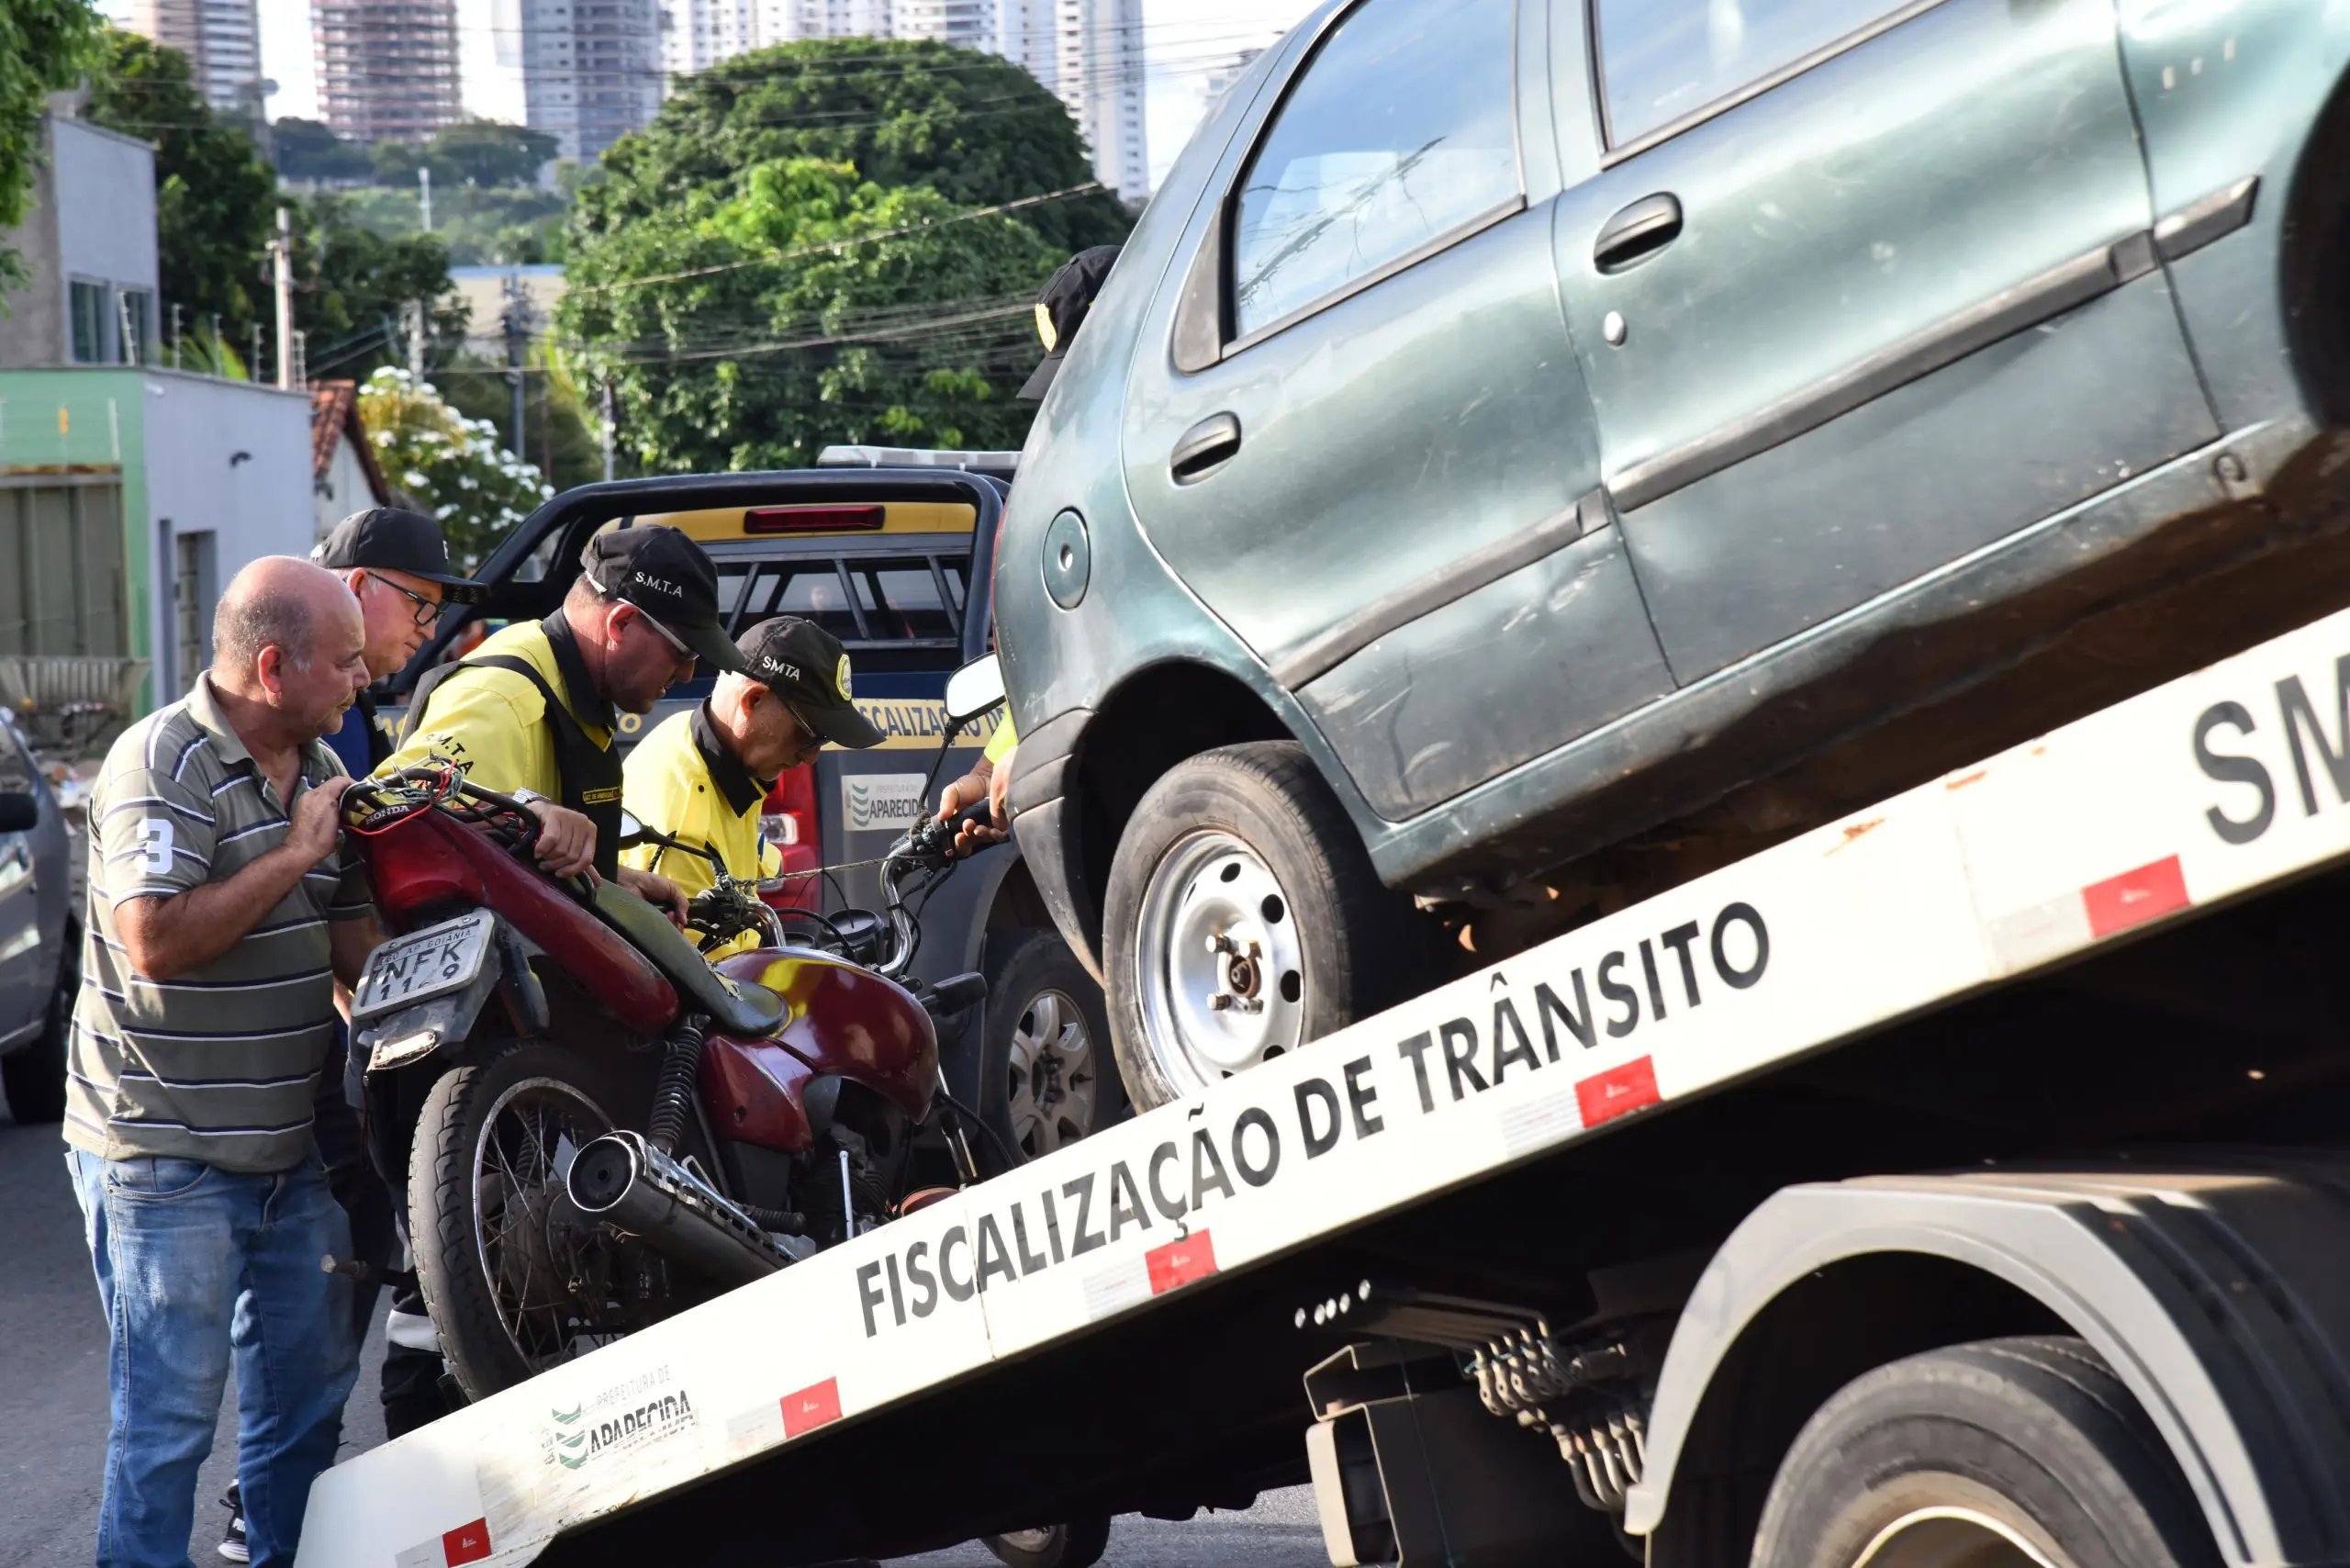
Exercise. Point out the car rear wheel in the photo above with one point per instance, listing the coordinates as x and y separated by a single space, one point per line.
2006 1453
1078 1544
1244 921
34 1078
1043 1073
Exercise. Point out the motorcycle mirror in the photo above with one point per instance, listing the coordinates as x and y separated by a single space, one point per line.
632 831
973 689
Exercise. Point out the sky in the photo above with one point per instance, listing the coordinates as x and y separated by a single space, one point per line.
1186 43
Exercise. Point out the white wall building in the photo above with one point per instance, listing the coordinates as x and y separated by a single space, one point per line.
586 72
89 246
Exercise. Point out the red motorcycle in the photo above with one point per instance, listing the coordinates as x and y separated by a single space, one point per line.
598 1126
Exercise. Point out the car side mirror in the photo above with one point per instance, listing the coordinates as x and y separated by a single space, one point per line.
973 689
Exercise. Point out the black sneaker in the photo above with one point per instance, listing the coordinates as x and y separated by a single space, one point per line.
232 1540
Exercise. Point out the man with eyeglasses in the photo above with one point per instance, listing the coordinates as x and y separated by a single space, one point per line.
531 712
395 562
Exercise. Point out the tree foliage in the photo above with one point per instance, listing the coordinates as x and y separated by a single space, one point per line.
44 47
979 130
306 150
822 308
353 286
215 198
471 153
446 464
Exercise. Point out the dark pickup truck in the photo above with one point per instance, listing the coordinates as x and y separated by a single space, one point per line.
897 563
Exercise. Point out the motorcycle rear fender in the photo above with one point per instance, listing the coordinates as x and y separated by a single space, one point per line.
439 1028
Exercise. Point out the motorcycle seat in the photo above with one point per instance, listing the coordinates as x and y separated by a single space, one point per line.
735 1007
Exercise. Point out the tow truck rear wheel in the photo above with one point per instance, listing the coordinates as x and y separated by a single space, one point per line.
1078 1544
1244 920
2004 1454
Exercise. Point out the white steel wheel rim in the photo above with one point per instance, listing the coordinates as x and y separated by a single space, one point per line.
1220 965
1054 1078
1950 1537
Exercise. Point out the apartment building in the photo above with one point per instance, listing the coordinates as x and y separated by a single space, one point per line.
387 69
586 72
222 40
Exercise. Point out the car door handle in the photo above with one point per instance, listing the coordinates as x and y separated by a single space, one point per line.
1204 448
1638 232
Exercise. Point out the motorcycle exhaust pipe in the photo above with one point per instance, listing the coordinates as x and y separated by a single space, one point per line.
625 1181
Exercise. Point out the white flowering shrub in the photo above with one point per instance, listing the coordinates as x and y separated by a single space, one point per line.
449 467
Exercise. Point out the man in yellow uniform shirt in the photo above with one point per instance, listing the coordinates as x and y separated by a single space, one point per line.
530 713
701 777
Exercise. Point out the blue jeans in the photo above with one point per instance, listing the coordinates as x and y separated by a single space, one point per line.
194 1262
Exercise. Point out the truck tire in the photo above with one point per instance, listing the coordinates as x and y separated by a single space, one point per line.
1245 844
33 1077
1042 1074
1077 1544
2004 1453
452 1268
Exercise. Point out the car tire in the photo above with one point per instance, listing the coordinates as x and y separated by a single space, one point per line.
1077 1544
1042 1073
34 1078
1245 846
2002 1452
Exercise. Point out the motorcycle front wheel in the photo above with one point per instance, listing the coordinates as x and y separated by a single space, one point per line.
515 1278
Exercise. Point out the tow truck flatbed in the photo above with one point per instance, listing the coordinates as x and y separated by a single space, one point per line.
1177 1273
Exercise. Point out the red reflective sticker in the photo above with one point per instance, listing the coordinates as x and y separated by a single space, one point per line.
2135 897
1616 1092
1181 1262
466 1544
812 1408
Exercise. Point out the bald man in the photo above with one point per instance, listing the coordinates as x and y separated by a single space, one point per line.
222 911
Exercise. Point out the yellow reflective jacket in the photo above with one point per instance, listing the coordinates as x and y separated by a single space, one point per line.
682 781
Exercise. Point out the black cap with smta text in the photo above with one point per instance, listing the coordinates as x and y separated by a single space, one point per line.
668 577
1061 306
804 664
391 539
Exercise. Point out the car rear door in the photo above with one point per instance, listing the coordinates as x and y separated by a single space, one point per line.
1354 425
1858 286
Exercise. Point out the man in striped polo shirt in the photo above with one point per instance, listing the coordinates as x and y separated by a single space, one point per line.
222 912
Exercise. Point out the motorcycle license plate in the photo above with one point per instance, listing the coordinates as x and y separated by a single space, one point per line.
431 962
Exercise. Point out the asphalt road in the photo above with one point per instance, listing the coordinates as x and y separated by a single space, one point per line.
53 1410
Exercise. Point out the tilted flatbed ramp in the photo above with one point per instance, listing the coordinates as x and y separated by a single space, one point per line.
2210 787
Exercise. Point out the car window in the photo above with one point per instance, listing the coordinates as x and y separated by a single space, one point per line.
901 603
1401 130
810 589
1663 59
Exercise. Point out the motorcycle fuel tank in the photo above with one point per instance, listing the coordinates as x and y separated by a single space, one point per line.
424 862
840 1020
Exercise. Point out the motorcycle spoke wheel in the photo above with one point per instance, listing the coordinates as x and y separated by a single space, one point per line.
535 1247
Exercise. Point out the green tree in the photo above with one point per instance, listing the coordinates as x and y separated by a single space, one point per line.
353 287
471 153
44 45
308 151
215 198
559 433
446 464
979 130
815 308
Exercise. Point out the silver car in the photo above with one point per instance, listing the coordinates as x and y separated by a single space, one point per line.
39 938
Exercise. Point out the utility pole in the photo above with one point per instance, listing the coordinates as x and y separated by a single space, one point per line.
252 363
608 426
283 252
518 338
424 185
416 317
